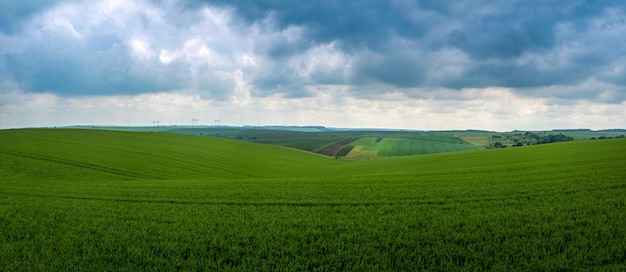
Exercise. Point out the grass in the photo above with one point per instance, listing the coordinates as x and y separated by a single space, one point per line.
372 147
120 201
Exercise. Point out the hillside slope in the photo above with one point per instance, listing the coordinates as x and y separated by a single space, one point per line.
118 201
70 153
62 153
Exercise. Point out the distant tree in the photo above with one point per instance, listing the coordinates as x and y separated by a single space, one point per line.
555 138
497 145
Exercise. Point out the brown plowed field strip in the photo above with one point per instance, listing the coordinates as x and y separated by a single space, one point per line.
332 149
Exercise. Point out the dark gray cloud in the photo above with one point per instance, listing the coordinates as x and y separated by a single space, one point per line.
399 44
95 66
402 69
14 13
354 24
280 78
495 36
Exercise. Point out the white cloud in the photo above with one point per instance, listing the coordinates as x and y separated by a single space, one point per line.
321 64
241 92
492 108
167 57
141 49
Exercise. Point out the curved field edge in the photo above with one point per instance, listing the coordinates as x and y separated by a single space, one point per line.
551 207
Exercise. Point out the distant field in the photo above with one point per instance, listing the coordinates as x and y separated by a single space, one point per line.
338 142
371 147
85 200
367 144
342 143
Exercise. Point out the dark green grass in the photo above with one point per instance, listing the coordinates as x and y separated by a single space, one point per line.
114 201
344 150
312 145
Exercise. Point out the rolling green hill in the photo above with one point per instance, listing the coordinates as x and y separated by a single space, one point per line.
127 201
148 155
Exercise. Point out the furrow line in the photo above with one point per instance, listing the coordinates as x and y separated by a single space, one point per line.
312 204
86 165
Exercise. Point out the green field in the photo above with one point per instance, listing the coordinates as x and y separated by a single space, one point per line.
339 143
85 200
372 147
334 142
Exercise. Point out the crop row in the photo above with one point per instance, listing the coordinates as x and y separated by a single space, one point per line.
540 233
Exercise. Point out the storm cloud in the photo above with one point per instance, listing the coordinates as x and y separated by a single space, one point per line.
237 52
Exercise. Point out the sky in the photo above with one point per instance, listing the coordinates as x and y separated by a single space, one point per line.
423 64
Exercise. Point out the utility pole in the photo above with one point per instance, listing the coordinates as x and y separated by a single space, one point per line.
217 123
194 122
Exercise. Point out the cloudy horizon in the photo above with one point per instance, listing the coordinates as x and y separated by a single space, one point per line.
426 65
